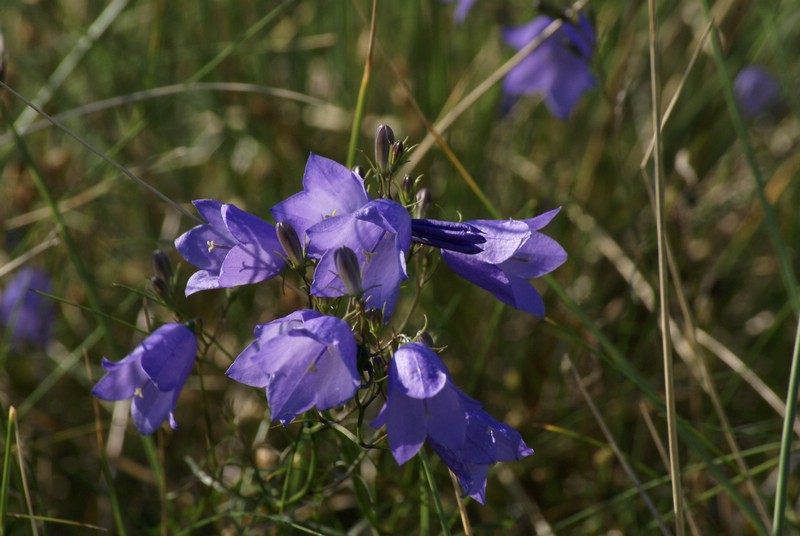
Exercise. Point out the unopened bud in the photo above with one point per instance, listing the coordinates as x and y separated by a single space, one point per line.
347 267
384 139
425 338
397 152
160 287
423 202
290 243
162 268
358 170
407 185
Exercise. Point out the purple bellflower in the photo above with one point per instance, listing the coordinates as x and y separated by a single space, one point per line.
153 374
303 360
379 233
334 211
558 69
513 253
234 248
423 403
329 189
27 317
757 91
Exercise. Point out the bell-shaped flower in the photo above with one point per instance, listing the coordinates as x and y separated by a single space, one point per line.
302 360
234 248
487 441
421 402
379 233
153 375
25 316
558 69
513 253
329 189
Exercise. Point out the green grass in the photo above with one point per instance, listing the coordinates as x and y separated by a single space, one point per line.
225 100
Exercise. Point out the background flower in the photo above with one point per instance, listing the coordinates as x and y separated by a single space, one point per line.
757 91
153 374
27 317
558 69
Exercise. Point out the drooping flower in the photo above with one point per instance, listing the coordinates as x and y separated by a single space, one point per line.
234 248
302 360
487 441
329 189
379 233
559 69
25 316
513 253
422 403
153 374
757 91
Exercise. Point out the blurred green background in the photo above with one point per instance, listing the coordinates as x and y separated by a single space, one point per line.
225 99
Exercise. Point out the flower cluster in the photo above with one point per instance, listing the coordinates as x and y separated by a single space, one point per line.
358 248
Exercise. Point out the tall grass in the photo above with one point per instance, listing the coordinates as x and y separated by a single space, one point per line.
226 99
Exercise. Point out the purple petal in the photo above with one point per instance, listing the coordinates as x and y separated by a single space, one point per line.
403 429
446 423
122 378
503 239
417 372
202 280
152 408
538 256
168 355
329 189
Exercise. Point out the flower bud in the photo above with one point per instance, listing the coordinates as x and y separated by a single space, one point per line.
407 185
160 287
347 267
425 338
423 202
290 243
397 152
162 268
384 139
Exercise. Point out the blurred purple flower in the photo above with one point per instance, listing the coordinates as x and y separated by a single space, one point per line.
558 69
379 233
27 317
234 248
513 253
462 9
303 360
153 374
329 189
757 91
422 403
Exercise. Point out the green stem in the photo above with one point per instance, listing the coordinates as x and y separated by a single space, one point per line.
778 516
12 418
362 92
